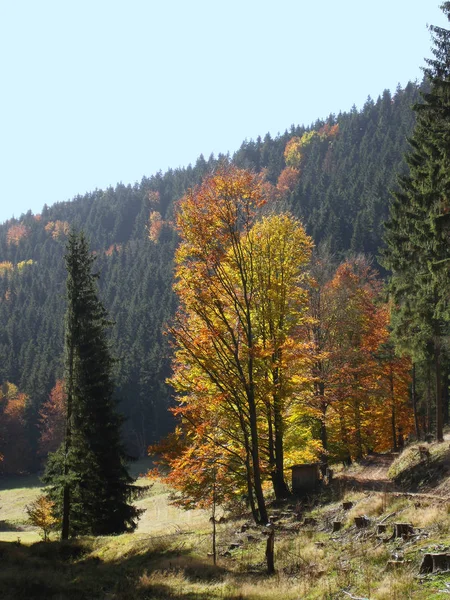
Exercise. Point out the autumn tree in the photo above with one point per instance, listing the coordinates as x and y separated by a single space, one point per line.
15 447
52 419
367 386
241 306
40 514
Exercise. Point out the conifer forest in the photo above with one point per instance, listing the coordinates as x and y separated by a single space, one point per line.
286 304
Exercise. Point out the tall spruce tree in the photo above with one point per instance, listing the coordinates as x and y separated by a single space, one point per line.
88 475
417 234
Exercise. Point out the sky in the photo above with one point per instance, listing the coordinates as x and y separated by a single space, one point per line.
104 91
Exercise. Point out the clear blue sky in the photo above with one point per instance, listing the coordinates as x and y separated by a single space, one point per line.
101 91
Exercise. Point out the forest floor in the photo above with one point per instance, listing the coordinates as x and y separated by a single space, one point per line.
320 551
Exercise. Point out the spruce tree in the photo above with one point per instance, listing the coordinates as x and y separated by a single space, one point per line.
418 253
88 475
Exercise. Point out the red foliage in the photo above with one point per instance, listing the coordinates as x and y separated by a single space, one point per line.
14 446
287 181
51 419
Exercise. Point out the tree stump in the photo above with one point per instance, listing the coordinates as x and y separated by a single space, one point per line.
403 530
310 521
362 522
424 452
347 505
337 526
394 564
381 529
270 544
435 562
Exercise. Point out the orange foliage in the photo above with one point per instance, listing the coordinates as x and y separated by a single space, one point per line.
367 386
113 248
288 180
329 131
57 229
14 444
155 225
16 233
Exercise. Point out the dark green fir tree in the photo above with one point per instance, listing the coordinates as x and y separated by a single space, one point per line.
88 476
417 234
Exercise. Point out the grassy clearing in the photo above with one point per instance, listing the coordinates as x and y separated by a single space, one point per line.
167 557
415 472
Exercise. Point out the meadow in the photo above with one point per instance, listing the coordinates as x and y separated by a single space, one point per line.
169 555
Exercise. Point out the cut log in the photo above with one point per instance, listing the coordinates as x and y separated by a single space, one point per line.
394 564
435 562
362 522
403 530
347 505
337 526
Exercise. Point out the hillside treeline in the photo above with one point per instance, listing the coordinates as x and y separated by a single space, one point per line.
336 176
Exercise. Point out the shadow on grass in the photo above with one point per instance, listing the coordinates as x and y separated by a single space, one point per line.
14 482
6 526
70 571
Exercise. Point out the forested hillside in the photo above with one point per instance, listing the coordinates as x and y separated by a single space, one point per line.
336 176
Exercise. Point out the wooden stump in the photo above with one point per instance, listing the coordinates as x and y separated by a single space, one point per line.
381 529
403 530
337 526
362 522
347 505
310 521
270 544
435 562
424 452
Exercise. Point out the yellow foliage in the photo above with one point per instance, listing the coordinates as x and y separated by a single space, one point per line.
40 514
5 267
24 263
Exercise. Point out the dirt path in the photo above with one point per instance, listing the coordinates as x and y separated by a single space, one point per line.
369 474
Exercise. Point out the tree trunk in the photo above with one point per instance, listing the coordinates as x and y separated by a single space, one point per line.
445 397
414 401
323 429
439 411
257 483
270 545
393 415
279 484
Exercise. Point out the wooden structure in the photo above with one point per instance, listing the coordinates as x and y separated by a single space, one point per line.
305 479
435 562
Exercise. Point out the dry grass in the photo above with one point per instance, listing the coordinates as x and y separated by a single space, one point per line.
168 555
